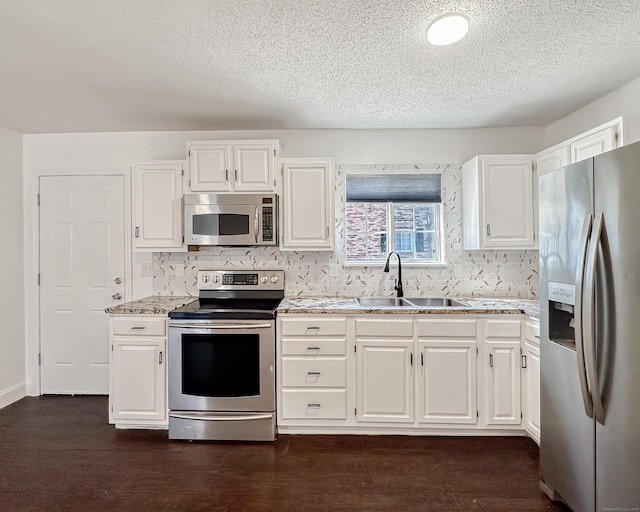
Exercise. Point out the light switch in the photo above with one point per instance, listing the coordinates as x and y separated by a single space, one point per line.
179 268
146 270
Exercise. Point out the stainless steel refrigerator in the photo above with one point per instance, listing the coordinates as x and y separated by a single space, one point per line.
590 332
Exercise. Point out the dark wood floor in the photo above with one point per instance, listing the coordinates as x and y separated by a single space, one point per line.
59 454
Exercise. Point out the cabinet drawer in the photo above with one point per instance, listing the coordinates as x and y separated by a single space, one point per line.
447 328
387 326
330 404
532 332
313 347
503 329
314 373
142 326
314 326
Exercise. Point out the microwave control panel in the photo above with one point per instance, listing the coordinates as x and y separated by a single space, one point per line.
267 224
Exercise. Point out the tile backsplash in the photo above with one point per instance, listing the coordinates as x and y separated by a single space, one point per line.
324 274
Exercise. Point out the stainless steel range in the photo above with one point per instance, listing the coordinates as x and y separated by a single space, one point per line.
222 358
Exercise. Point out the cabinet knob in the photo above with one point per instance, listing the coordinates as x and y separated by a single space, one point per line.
116 296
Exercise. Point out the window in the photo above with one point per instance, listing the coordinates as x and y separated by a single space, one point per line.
401 213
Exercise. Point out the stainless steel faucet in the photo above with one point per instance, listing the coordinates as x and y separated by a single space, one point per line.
398 285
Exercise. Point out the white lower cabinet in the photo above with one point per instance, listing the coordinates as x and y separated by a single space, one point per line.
137 371
447 371
384 385
531 379
501 370
312 370
405 372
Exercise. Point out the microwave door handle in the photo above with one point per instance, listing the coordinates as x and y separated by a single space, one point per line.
257 223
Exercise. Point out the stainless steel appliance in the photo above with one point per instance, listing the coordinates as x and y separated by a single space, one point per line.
590 332
231 219
222 358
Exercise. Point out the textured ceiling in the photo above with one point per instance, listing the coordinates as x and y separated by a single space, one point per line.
123 65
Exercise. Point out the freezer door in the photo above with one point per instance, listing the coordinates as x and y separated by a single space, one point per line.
567 450
617 182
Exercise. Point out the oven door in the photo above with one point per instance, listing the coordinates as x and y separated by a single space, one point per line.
229 224
217 365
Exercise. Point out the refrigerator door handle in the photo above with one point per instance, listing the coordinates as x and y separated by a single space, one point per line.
590 340
579 316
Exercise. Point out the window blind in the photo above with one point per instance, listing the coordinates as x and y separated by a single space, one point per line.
394 188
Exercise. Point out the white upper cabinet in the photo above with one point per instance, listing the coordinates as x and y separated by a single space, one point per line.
157 205
593 142
498 202
550 160
232 166
307 205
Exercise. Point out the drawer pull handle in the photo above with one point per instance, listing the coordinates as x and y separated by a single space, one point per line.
316 329
313 406
313 348
313 374
138 328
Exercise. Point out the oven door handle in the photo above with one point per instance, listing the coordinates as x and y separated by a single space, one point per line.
187 416
221 326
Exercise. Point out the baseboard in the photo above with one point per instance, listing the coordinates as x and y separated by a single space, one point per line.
12 394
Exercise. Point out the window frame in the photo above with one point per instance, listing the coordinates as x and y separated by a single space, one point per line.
438 221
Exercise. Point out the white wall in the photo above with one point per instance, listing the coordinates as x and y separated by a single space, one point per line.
12 340
621 102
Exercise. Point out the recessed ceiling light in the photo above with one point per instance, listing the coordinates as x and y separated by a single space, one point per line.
447 29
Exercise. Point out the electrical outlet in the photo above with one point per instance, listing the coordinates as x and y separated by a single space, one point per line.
179 268
147 270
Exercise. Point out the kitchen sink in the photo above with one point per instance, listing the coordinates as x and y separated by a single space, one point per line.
434 302
382 302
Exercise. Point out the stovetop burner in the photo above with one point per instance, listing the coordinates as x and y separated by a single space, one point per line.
235 295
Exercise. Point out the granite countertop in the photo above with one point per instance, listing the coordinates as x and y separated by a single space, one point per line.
153 305
349 306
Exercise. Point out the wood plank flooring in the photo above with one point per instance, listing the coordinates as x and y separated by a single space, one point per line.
58 453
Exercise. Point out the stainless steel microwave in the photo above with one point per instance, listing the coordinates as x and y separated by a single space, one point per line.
231 219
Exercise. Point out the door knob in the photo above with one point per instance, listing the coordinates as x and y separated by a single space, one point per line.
117 280
116 296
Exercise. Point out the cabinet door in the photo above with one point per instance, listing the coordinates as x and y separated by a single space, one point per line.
502 383
307 216
384 381
253 167
531 389
447 381
552 160
210 166
157 199
138 390
594 144
507 202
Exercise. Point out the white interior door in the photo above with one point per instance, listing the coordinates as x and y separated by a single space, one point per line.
81 267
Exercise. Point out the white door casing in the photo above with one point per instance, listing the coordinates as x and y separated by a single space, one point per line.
82 265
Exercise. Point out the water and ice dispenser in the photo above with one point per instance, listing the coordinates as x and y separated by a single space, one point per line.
561 310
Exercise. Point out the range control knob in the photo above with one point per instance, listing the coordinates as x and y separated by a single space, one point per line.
274 279
264 279
205 279
216 279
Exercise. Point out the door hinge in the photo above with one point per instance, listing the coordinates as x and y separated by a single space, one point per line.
282 169
183 172
521 416
189 152
112 347
274 152
189 183
477 414
616 135
523 361
355 348
355 411
39 359
38 279
38 199
476 351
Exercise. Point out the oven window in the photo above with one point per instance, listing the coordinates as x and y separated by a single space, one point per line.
215 224
221 365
